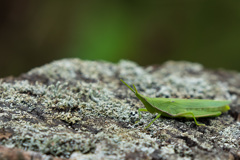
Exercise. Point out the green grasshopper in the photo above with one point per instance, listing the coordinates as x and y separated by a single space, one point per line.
177 108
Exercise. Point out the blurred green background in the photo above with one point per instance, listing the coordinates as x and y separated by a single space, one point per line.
33 33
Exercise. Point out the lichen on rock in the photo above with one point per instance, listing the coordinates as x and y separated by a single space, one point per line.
73 108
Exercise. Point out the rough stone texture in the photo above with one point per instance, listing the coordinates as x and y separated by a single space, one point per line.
18 154
80 110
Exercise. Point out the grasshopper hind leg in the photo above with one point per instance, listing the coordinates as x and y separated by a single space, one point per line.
194 118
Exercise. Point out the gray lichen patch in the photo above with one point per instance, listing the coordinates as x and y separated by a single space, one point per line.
80 109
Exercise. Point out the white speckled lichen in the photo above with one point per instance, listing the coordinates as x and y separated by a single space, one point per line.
74 108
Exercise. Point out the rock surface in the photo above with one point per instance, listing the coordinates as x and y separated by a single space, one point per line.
80 110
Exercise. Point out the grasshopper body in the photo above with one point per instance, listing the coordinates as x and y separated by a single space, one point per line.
177 108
